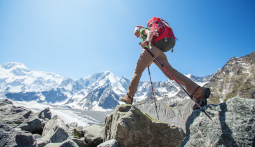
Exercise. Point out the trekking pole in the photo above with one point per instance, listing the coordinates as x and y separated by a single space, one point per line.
191 96
153 92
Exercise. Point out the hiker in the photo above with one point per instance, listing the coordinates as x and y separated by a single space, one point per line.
200 94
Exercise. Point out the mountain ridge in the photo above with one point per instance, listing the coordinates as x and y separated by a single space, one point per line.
92 92
235 79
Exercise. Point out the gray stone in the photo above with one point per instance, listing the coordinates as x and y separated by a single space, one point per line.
25 139
93 135
130 127
55 130
37 136
53 145
233 124
45 114
69 143
10 136
41 142
33 125
109 143
79 141
12 115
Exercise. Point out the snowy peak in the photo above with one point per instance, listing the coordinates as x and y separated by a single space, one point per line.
13 65
201 81
100 79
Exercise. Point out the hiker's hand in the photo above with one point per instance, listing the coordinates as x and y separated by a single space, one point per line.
144 44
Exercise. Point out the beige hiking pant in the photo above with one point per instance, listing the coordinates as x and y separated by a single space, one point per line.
144 61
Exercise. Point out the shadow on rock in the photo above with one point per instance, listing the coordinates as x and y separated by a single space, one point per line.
232 125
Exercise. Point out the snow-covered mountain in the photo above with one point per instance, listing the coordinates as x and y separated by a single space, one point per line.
99 91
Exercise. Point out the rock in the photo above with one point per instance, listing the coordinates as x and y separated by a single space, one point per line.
78 131
41 142
93 135
109 143
10 136
53 145
130 127
55 130
233 124
37 136
20 117
25 139
69 143
45 114
79 141
34 125
12 115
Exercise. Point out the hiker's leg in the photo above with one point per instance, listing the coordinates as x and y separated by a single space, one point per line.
143 62
182 79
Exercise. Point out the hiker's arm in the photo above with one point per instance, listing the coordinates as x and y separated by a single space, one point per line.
149 34
149 37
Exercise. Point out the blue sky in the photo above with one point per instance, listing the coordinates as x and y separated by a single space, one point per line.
81 37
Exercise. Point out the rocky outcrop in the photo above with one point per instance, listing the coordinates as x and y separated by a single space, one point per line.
20 126
232 124
20 117
130 127
235 79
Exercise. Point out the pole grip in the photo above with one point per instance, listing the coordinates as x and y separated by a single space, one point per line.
147 50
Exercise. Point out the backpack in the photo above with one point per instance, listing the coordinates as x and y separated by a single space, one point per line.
163 35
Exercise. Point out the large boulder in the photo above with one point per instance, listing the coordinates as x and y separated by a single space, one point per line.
93 135
12 115
130 127
55 130
33 125
20 117
10 136
232 124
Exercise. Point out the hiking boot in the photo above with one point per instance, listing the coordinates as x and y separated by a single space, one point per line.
127 99
200 95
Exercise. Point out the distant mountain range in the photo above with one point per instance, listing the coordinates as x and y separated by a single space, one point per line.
99 91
